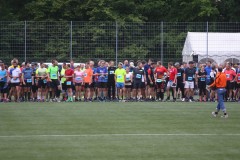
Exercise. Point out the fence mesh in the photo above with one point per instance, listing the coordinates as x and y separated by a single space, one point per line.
81 41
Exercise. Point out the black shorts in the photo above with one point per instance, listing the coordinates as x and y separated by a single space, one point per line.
64 86
143 85
34 88
160 85
27 84
55 83
128 86
14 84
230 85
151 85
137 85
92 85
87 85
237 85
42 83
102 84
3 87
67 85
78 84
180 85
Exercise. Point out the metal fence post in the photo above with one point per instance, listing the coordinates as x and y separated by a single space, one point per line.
116 43
162 42
207 40
71 41
25 41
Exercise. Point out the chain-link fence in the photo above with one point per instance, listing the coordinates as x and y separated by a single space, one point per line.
81 41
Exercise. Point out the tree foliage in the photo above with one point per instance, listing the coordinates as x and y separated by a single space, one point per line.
88 38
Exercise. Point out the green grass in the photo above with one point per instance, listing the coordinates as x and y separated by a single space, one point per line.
117 128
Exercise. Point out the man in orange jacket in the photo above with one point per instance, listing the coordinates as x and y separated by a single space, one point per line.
220 84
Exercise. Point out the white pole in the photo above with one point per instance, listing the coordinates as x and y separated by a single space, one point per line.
116 43
71 41
162 42
25 43
207 41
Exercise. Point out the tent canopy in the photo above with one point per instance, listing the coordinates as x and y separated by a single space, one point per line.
220 46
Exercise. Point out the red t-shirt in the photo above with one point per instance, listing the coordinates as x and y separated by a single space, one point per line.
172 73
69 72
238 77
160 71
230 73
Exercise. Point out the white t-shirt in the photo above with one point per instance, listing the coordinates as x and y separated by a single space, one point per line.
128 77
15 72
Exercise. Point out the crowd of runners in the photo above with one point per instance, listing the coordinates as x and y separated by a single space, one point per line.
107 81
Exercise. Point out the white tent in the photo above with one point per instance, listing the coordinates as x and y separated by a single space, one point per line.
221 47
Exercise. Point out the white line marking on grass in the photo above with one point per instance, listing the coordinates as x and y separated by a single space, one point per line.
111 135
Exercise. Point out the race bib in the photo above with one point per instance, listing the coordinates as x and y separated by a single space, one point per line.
239 78
29 80
111 72
54 75
202 79
127 79
44 81
179 74
85 75
138 76
190 78
159 80
78 78
119 76
208 76
69 83
228 75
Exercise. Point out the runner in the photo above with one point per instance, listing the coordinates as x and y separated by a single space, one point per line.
102 73
41 75
180 84
151 82
230 73
171 81
78 82
120 78
111 81
202 83
15 75
188 79
237 79
88 73
160 80
3 82
69 74
128 84
28 81
63 80
138 75
54 79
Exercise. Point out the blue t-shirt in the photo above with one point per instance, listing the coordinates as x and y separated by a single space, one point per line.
27 73
208 70
3 73
102 70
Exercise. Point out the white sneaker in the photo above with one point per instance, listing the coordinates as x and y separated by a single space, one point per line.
58 100
190 100
183 99
225 116
213 114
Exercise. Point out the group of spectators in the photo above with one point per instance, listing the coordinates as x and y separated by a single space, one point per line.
105 81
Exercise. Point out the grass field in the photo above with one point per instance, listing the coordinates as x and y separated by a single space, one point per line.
118 131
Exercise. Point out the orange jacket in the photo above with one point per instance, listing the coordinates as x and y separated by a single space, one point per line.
220 81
